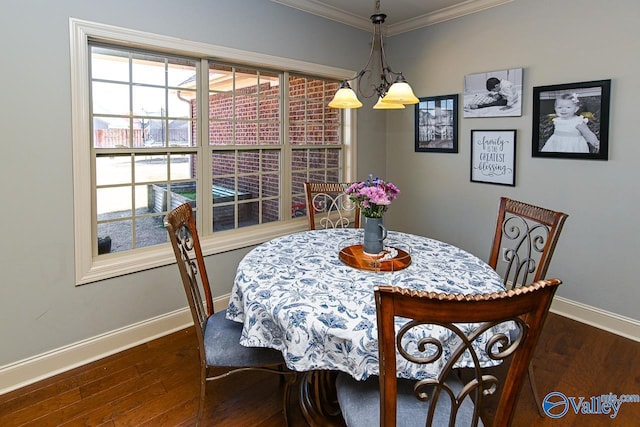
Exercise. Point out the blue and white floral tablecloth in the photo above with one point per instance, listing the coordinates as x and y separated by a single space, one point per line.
295 295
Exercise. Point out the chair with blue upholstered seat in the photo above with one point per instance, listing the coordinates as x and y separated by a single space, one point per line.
525 238
447 400
218 338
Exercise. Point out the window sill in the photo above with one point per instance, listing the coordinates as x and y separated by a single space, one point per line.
113 265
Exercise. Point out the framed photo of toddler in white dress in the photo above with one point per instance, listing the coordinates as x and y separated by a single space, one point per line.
571 120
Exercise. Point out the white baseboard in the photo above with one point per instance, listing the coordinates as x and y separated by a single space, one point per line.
33 369
45 365
30 370
601 319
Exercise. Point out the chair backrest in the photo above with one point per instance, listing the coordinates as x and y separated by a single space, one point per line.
524 241
329 207
526 306
181 225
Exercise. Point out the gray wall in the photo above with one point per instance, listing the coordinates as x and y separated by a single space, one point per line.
555 42
40 308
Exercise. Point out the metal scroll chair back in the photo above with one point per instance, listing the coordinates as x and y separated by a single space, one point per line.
449 398
524 241
218 338
181 225
329 207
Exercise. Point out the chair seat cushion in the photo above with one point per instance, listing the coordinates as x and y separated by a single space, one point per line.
360 404
222 345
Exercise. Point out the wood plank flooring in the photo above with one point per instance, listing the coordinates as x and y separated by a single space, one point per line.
155 384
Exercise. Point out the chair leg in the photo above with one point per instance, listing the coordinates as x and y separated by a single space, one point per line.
534 389
203 392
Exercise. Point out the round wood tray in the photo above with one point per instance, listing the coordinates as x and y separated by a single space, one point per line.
355 257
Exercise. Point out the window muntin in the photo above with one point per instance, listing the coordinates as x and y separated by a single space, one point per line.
149 103
246 187
244 106
90 267
138 105
314 135
132 193
140 100
244 112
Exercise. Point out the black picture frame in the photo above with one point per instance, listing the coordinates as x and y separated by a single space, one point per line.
493 156
592 100
436 124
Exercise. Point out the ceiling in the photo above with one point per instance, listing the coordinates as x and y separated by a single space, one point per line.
402 15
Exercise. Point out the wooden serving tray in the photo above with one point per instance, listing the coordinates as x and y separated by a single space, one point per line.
355 257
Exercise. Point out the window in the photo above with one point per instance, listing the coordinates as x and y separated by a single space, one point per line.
142 143
246 145
315 136
157 123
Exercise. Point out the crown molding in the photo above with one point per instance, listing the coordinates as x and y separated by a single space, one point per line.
442 15
325 11
336 14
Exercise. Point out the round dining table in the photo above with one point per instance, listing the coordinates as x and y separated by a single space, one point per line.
295 294
301 295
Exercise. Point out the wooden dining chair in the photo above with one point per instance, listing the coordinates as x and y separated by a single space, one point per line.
523 244
447 400
329 207
524 241
218 338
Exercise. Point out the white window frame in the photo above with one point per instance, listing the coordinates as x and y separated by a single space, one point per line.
90 268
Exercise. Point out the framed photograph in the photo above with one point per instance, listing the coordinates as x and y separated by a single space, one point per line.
493 94
437 124
493 156
571 120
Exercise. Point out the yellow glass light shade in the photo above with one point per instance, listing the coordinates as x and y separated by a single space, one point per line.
381 105
345 97
400 93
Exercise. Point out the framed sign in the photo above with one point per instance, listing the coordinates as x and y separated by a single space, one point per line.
493 156
437 124
571 120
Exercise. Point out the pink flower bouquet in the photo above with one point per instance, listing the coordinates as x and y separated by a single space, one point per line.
373 196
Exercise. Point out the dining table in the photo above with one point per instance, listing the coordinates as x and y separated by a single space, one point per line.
310 296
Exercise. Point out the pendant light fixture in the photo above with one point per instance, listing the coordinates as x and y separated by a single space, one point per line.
393 91
380 105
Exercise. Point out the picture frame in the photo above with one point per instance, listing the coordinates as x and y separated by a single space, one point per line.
566 138
493 94
436 124
493 156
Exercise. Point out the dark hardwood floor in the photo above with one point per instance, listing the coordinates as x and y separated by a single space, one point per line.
155 384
